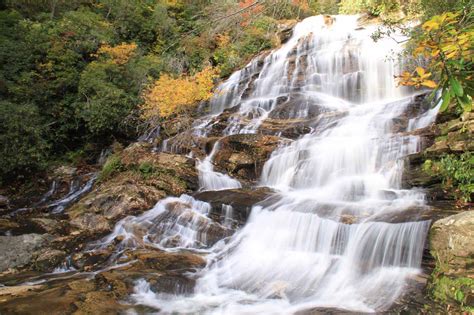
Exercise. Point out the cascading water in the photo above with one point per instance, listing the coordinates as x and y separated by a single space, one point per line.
323 242
211 180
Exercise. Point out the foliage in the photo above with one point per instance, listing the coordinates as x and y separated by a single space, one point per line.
119 54
447 43
146 169
457 173
373 7
170 95
448 290
24 149
81 68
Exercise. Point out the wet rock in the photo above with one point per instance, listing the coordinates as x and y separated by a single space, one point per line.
172 167
49 259
244 155
415 176
46 225
88 261
173 126
65 171
184 143
92 223
166 261
19 251
7 225
297 106
242 200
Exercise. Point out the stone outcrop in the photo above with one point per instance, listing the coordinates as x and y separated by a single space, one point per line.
244 155
141 177
146 178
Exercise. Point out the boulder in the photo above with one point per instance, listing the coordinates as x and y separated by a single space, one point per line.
19 251
452 242
452 246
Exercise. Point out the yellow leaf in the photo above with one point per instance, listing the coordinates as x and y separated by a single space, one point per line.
429 83
420 71
430 25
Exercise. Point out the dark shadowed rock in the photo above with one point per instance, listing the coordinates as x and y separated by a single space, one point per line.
242 200
244 155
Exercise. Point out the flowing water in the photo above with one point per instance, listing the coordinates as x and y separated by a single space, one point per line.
323 242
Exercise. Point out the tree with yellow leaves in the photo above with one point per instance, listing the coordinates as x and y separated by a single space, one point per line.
119 54
170 95
447 42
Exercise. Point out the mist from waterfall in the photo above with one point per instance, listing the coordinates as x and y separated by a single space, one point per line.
324 243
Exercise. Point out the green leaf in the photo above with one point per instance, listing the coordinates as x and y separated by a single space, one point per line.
466 102
446 100
456 86
459 295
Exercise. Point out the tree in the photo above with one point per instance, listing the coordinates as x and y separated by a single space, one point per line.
170 95
23 145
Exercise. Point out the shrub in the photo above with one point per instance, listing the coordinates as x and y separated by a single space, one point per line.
457 173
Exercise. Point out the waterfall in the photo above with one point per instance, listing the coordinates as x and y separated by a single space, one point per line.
323 242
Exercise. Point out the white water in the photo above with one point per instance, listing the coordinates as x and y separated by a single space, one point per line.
212 180
320 244
173 223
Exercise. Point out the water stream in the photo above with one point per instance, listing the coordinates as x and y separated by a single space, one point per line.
322 243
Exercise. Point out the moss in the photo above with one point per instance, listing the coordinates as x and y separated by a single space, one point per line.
452 291
112 166
441 138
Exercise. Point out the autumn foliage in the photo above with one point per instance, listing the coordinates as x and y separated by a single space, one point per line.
119 54
446 42
170 95
251 8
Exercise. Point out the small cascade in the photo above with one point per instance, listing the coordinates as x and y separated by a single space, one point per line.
76 190
173 223
212 180
228 215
